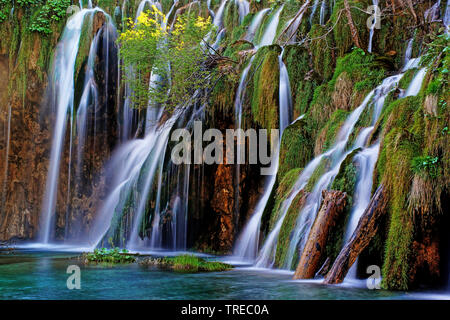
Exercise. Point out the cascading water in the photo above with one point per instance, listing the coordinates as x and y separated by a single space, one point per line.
211 12
91 118
416 83
293 24
372 28
271 30
244 8
446 19
247 244
256 22
408 53
63 95
336 155
432 13
285 95
218 17
313 11
366 160
8 141
323 12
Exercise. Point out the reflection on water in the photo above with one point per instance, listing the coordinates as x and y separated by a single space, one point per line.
28 274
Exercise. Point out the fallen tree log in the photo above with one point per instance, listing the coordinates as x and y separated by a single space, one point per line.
333 205
360 239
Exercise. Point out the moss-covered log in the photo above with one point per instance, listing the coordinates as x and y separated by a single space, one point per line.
333 205
365 231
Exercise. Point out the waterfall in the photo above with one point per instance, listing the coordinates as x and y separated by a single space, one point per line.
446 19
62 81
432 13
313 11
293 25
408 52
366 160
416 83
307 214
271 29
256 22
285 96
247 244
211 12
218 17
136 160
372 29
244 9
323 12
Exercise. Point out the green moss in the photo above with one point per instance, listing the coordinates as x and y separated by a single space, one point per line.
331 129
297 61
231 16
296 148
406 79
264 92
287 182
320 170
191 263
321 48
341 31
109 256
400 145
360 66
287 227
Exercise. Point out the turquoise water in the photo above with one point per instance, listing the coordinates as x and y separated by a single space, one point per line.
42 275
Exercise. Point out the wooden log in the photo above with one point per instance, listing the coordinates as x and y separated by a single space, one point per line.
365 231
333 205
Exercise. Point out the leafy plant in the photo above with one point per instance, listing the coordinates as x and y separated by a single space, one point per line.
426 164
52 11
149 47
114 255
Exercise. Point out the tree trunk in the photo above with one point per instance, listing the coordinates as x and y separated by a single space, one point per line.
365 231
351 25
333 206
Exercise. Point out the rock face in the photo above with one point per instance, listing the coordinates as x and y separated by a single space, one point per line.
26 119
25 150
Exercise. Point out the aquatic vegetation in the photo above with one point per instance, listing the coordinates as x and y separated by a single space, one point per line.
113 255
187 263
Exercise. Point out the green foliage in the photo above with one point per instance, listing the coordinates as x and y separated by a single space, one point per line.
342 35
360 67
426 164
51 11
147 48
283 190
296 148
5 8
321 51
264 93
191 263
286 229
114 255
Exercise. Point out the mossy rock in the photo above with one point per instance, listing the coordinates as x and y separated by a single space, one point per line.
301 77
187 264
264 91
296 148
287 227
341 31
329 132
282 192
322 47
